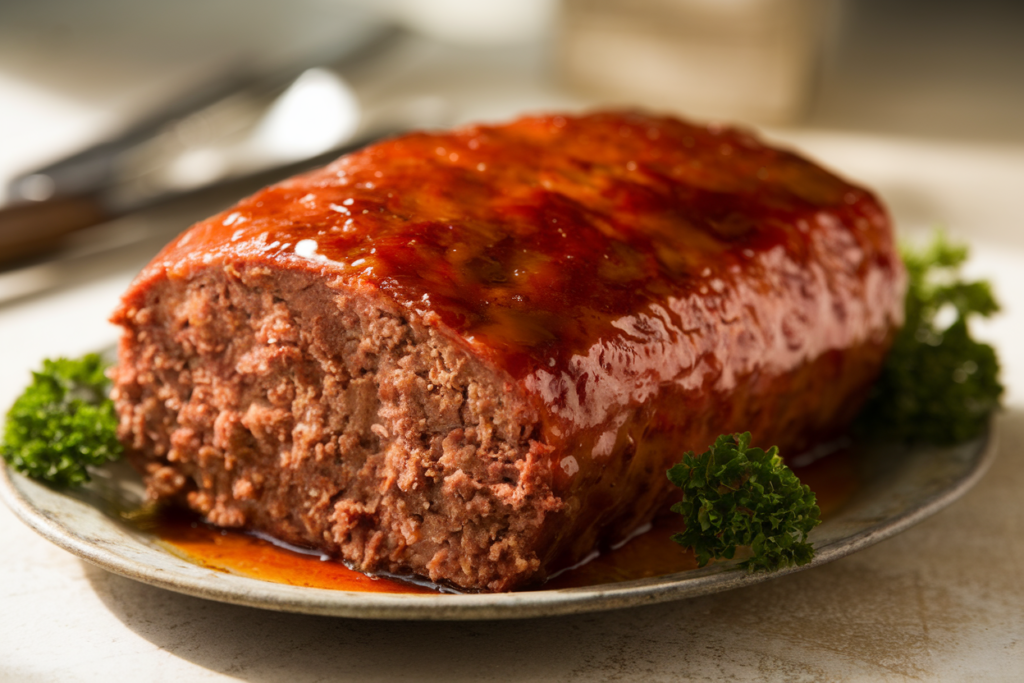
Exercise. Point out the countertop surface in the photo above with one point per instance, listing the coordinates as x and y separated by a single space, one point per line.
942 601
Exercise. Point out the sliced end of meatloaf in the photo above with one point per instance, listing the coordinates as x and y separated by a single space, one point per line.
288 403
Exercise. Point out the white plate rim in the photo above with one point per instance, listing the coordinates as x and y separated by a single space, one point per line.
22 495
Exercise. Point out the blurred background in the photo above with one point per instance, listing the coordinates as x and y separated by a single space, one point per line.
73 72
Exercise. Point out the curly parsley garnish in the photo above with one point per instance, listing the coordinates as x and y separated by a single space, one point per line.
938 384
63 422
734 495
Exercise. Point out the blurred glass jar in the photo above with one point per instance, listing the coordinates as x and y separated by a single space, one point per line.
751 60
471 22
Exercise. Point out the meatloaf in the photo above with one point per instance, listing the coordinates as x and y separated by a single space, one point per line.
472 355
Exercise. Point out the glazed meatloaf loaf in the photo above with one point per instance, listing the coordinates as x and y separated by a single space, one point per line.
472 355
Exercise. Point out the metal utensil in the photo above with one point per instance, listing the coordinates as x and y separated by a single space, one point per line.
235 129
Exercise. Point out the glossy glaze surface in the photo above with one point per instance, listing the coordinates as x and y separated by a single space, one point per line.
583 255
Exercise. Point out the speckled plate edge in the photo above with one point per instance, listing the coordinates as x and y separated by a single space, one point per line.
902 488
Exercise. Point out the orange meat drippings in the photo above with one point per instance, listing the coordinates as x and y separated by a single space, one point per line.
240 553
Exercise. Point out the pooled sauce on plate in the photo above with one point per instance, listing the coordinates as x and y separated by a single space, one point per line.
832 478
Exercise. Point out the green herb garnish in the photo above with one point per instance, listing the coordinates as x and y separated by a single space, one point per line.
734 495
938 384
63 422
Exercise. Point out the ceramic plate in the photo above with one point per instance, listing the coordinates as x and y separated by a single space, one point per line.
901 488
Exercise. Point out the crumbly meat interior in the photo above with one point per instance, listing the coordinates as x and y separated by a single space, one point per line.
279 402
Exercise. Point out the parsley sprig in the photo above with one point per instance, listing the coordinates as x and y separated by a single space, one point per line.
735 495
938 384
63 422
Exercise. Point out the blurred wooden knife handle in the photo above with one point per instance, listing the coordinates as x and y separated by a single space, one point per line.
30 228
